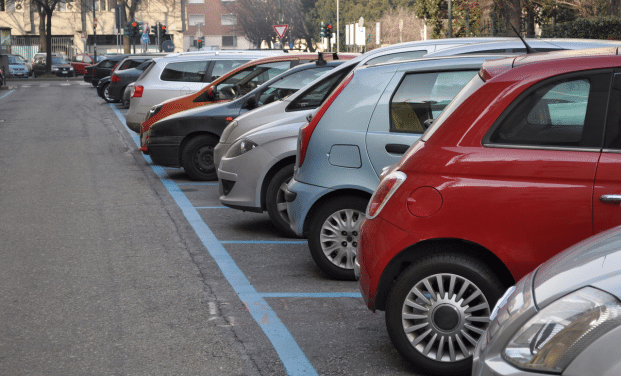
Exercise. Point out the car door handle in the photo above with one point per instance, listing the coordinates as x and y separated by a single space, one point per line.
397 148
611 198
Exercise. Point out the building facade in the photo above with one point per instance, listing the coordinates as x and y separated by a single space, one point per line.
214 22
72 25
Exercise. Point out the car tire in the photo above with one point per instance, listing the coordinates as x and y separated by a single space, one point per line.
197 158
106 94
333 235
442 301
275 200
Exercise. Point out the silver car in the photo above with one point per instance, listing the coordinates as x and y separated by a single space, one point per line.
181 74
564 318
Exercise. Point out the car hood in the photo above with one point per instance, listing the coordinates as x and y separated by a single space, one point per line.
263 115
594 262
17 66
281 128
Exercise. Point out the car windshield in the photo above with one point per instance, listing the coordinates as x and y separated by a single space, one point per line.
58 61
248 79
290 84
14 60
101 58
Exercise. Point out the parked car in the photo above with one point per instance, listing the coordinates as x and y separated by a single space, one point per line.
119 80
103 68
127 93
17 68
187 138
128 63
60 67
561 318
182 74
79 62
521 164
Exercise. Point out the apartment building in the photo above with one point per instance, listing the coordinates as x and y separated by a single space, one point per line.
72 25
214 22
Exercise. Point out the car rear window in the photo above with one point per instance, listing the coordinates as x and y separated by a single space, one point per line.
186 71
292 83
108 63
423 96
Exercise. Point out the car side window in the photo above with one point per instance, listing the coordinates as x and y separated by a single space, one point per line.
568 112
187 71
78 58
290 84
423 96
249 79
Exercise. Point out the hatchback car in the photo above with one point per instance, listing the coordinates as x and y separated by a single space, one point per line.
112 89
180 75
187 138
102 69
523 163
368 122
17 67
562 318
60 67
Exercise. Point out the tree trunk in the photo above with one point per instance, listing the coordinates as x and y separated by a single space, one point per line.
513 11
48 41
42 41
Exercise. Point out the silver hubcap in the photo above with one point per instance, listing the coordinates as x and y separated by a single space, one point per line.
107 93
339 237
281 204
443 316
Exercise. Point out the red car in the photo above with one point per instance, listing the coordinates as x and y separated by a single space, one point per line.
79 62
523 163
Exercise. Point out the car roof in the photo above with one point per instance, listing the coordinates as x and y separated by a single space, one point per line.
515 43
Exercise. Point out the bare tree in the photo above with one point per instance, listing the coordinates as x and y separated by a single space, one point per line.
46 9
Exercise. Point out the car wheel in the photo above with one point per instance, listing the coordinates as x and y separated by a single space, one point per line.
333 235
438 310
275 199
197 158
106 94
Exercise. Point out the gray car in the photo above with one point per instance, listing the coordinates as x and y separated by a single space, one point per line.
564 318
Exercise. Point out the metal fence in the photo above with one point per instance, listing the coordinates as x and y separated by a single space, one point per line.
30 45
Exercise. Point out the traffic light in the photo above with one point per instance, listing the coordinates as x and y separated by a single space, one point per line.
322 30
199 44
328 31
154 29
162 30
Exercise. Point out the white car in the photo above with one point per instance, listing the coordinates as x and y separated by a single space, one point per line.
182 74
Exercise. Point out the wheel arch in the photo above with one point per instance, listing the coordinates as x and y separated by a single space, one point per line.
270 174
427 247
330 195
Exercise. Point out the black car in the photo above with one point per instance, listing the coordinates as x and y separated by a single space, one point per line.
112 90
103 68
60 67
176 140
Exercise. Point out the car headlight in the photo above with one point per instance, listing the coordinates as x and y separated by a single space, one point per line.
70 68
240 147
54 69
558 333
227 131
153 111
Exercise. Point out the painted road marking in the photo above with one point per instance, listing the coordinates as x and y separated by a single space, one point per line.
264 242
293 358
9 92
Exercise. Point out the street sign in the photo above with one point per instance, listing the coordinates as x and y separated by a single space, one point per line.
168 46
280 30
83 36
144 38
94 23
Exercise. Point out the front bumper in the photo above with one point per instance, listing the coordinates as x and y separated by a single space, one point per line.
219 152
164 151
300 198
245 173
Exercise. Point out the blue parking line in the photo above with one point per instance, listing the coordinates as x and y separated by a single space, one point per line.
293 358
197 183
9 92
263 242
311 295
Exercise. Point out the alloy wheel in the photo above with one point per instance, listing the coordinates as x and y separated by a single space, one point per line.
339 237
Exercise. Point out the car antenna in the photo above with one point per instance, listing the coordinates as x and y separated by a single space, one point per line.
529 49
320 60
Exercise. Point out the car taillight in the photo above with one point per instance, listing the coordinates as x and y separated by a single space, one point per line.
383 192
307 130
94 72
115 78
138 90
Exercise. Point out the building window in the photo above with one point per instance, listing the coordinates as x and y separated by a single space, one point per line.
228 20
8 5
195 19
229 41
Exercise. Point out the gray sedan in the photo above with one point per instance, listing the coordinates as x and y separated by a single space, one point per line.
563 318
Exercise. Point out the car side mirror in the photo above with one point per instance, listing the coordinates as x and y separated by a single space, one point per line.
309 117
427 123
251 102
211 93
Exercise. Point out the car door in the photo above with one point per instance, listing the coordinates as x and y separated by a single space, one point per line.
536 169
409 100
607 189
